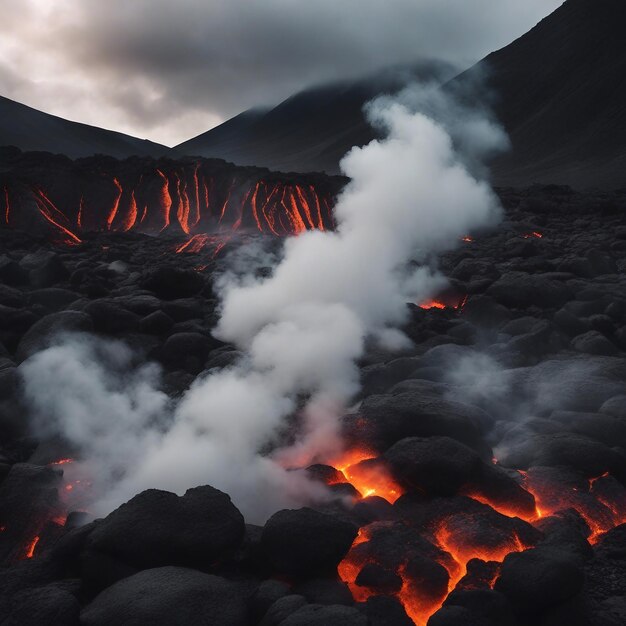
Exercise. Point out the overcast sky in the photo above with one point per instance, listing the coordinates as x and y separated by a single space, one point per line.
168 70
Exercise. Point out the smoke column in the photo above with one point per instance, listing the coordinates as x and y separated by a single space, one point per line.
301 330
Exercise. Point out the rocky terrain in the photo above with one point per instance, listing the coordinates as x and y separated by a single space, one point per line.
484 481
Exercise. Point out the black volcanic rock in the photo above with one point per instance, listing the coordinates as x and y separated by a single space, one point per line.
169 282
436 465
537 579
159 528
41 334
304 542
50 604
387 418
168 596
317 615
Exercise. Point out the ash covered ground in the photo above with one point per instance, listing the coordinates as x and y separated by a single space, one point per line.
484 477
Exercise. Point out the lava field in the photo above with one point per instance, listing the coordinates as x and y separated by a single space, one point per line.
484 477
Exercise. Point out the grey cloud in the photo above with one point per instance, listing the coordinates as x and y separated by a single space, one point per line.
169 70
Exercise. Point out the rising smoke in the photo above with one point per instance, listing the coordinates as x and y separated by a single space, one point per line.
410 197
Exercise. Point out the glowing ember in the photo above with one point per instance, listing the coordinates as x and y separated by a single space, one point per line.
30 548
52 215
369 479
433 304
442 305
62 462
467 239
533 235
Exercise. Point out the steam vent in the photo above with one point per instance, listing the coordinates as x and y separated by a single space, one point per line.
352 358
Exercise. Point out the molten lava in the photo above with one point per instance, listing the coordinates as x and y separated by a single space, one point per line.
457 304
30 548
54 217
369 479
534 235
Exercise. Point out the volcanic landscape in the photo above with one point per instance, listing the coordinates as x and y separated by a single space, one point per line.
183 442
454 502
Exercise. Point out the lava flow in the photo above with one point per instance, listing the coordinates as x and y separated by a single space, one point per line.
179 198
481 535
455 304
369 477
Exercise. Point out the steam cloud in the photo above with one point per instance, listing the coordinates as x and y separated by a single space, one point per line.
411 196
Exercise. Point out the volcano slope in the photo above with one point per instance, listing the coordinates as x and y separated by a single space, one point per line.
485 469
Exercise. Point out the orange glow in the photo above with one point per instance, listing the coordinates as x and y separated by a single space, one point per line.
439 304
47 209
533 235
116 203
30 548
166 200
467 239
600 513
320 221
182 213
433 304
81 208
131 218
62 462
367 480
197 192
194 245
223 211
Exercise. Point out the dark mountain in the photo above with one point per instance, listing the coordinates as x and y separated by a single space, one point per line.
29 129
310 131
559 91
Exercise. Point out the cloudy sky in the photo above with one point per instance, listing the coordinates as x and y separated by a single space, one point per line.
171 69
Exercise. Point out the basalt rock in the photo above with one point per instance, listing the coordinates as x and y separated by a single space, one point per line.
436 465
47 329
168 596
537 579
304 542
158 528
169 282
317 615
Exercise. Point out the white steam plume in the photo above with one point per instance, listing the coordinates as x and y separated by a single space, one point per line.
410 197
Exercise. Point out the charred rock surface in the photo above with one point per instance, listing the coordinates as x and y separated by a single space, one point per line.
51 194
484 480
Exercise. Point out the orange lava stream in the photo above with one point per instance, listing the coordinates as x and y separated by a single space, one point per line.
438 304
368 481
305 207
131 218
116 204
79 216
196 183
433 304
320 221
270 220
30 548
47 209
166 200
